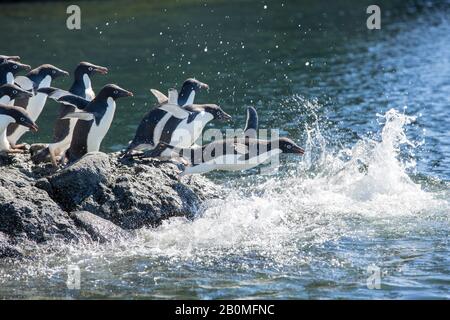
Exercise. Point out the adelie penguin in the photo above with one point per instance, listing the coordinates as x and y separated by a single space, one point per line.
233 154
9 68
9 92
63 130
40 77
94 121
15 115
173 122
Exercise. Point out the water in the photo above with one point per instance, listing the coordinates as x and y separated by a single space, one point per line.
370 108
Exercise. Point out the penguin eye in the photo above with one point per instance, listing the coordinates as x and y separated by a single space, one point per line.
54 71
15 66
14 91
90 69
116 92
22 119
289 146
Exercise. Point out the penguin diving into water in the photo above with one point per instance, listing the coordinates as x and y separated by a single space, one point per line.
232 154
37 78
94 121
63 130
175 122
10 115
9 92
9 68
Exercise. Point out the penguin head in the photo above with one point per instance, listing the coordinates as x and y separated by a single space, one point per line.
3 58
286 145
46 70
188 90
217 112
14 92
113 91
89 69
19 116
13 67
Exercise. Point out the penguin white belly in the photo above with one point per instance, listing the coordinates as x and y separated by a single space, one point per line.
4 143
5 100
4 122
231 162
60 147
185 135
34 109
90 95
98 132
159 129
10 78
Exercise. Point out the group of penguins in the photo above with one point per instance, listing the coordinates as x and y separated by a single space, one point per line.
169 130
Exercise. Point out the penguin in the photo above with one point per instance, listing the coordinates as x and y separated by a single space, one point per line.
10 115
63 130
9 92
234 154
9 68
96 117
37 78
179 127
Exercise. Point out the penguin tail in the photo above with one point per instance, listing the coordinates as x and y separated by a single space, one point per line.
41 156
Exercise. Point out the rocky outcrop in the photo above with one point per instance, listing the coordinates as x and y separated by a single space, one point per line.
99 198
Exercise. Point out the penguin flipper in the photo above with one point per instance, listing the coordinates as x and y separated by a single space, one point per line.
161 97
54 93
24 82
86 116
252 123
175 110
74 101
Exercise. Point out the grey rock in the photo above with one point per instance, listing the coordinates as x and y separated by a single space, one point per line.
36 201
7 249
29 212
130 194
99 229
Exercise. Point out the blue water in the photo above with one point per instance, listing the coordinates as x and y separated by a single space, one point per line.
371 109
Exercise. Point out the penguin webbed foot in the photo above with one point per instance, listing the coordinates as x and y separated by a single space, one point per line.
22 146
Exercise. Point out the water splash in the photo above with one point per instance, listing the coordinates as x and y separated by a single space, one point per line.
322 199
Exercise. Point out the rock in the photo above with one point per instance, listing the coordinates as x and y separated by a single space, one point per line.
8 250
29 212
99 197
130 194
99 229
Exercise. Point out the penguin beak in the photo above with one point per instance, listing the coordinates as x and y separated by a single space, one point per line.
227 117
298 150
33 127
24 67
203 86
101 70
26 94
128 93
